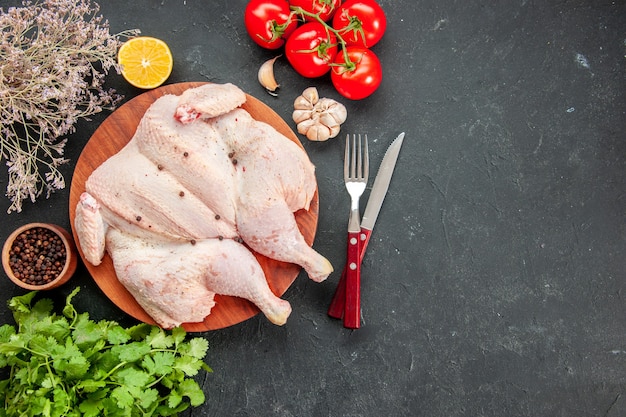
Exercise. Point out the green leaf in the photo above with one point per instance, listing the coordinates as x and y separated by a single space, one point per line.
103 363
172 379
165 410
40 406
198 348
13 346
21 304
131 352
50 381
90 385
174 399
123 397
86 332
160 363
22 376
7 344
62 401
140 331
188 364
6 331
148 397
192 390
38 319
91 407
206 367
70 362
99 395
43 345
95 349
69 311
57 327
133 377
116 335
112 409
42 309
178 333
158 339
4 386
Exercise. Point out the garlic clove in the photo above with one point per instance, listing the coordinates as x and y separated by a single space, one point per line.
311 95
318 133
266 76
337 110
301 103
301 115
305 125
334 131
327 120
325 103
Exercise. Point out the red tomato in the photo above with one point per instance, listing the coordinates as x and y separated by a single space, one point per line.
310 49
359 78
269 22
325 8
360 22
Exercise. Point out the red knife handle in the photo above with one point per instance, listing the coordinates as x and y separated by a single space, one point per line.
352 311
338 303
365 239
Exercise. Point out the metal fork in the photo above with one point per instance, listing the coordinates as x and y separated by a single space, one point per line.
355 173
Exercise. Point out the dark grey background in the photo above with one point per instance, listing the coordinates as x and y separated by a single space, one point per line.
494 283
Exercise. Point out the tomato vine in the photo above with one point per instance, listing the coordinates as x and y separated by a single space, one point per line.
334 37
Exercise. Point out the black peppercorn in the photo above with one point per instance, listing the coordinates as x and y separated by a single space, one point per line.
37 256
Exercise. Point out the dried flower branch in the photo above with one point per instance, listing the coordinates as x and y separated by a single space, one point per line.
54 55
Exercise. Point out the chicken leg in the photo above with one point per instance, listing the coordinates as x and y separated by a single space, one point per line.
175 281
275 179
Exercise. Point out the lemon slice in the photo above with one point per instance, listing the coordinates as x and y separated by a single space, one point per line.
146 62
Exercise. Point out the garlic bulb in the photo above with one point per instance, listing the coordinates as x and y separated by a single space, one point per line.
319 119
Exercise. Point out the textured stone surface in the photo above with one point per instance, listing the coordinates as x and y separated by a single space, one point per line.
494 282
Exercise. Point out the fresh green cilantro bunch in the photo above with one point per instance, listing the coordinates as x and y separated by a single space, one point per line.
70 365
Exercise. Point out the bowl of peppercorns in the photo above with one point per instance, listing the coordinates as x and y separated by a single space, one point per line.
39 256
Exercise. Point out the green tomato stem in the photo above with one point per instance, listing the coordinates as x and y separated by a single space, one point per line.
348 64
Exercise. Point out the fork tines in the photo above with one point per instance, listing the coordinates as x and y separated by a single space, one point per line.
356 169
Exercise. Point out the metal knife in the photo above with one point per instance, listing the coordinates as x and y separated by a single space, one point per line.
375 202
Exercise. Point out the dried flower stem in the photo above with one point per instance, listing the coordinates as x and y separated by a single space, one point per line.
54 55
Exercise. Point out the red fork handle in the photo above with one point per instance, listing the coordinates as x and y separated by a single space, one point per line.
338 303
352 311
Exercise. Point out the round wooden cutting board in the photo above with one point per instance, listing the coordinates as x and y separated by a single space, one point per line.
108 139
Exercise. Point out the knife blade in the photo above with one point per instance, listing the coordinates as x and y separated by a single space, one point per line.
374 204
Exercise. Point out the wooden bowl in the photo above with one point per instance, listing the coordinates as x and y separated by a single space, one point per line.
71 257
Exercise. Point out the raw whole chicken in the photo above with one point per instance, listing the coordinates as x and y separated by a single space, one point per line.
179 206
